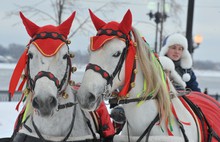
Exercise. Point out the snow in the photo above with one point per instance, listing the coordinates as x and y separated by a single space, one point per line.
207 73
7 119
7 66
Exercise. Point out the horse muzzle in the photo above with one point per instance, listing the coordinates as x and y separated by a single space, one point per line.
45 106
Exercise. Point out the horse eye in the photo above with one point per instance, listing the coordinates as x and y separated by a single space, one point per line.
117 54
30 55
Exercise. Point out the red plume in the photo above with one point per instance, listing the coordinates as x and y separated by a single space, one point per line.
125 25
98 23
66 25
30 26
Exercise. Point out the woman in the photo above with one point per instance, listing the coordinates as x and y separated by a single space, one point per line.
176 48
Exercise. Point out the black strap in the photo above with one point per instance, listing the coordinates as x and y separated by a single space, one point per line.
147 131
67 105
116 101
183 131
90 126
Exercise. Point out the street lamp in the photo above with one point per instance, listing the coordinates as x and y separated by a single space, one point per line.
197 39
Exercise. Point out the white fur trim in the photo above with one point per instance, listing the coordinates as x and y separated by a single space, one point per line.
186 77
176 38
168 64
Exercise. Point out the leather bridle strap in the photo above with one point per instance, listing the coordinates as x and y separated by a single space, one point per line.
99 70
116 101
104 73
89 125
147 131
67 105
48 75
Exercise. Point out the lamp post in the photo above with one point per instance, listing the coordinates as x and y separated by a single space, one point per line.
159 17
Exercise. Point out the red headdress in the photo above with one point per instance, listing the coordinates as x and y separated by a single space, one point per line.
47 39
108 31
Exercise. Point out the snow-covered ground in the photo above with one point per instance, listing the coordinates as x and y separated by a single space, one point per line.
8 116
207 73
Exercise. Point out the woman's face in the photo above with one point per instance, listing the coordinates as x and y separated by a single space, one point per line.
175 52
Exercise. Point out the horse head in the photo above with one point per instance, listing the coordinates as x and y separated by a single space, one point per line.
108 61
48 65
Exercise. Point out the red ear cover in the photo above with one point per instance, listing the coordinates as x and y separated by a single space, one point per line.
30 26
98 23
64 28
125 25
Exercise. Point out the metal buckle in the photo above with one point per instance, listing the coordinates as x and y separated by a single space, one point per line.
106 94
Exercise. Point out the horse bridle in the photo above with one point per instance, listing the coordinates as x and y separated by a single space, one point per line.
96 68
49 75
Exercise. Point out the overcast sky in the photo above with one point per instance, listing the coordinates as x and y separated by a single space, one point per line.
206 22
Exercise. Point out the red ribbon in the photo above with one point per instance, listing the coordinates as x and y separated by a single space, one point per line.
17 73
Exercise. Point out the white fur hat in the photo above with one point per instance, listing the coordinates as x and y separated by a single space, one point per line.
168 64
186 59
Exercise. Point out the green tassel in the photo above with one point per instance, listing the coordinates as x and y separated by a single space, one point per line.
171 127
161 129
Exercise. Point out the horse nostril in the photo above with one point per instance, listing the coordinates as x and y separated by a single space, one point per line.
91 97
35 103
52 101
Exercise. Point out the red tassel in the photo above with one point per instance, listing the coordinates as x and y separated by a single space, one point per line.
17 106
22 84
175 115
168 130
17 73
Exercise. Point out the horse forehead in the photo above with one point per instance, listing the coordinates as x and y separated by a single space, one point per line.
114 44
34 49
110 47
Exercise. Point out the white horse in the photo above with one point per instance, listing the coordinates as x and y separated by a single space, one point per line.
52 112
121 60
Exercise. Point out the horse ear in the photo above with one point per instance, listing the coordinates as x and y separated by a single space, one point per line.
30 26
125 25
98 23
66 25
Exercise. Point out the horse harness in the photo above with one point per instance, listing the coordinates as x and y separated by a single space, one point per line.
27 138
